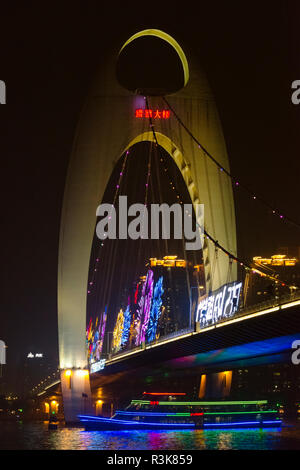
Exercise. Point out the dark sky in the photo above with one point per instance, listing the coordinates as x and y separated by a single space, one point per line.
48 56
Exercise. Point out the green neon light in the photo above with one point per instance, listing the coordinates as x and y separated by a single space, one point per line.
202 403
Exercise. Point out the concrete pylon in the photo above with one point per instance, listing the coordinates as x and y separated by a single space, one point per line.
76 393
108 127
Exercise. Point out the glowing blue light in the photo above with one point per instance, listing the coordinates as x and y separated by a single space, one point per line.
126 327
119 421
278 421
243 423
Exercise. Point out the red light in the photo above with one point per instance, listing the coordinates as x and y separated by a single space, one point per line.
155 113
196 414
136 293
154 402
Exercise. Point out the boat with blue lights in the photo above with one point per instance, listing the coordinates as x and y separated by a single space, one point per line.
168 411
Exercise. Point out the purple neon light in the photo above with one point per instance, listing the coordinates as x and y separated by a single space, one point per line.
147 304
102 331
155 309
143 313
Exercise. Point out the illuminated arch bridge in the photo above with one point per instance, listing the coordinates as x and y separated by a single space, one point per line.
194 360
114 119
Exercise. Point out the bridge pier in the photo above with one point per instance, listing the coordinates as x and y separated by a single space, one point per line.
215 384
76 393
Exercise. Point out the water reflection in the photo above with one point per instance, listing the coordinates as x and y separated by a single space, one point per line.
37 436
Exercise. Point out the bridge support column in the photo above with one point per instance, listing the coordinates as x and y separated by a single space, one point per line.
215 385
76 393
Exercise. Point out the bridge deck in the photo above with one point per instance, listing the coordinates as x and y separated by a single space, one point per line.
275 321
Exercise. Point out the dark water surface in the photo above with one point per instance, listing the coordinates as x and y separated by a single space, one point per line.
36 436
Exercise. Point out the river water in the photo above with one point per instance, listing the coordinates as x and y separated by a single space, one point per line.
36 436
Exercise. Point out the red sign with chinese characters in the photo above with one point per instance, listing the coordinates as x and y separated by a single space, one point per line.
152 113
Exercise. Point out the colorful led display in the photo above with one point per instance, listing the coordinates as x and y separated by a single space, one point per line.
143 313
118 331
155 310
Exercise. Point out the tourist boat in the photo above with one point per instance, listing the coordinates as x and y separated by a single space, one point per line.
165 411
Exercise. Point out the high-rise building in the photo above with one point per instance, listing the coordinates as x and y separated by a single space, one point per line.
177 279
284 266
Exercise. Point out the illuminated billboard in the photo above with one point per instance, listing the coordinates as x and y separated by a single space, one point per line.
219 305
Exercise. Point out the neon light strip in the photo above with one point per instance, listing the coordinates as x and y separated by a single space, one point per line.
240 412
242 422
201 403
119 421
121 356
162 393
271 422
291 304
140 402
149 413
52 385
170 340
246 317
146 413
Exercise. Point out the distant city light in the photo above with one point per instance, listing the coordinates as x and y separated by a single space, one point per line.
30 355
168 261
276 260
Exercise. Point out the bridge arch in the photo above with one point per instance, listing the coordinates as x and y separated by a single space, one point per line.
166 50
183 165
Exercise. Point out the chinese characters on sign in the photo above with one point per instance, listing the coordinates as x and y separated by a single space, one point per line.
152 113
221 304
96 366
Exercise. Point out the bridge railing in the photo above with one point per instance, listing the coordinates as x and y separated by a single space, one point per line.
158 341
274 302
261 306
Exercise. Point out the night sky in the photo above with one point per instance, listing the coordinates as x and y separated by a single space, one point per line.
48 57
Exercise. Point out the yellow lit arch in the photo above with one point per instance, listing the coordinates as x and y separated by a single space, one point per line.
166 37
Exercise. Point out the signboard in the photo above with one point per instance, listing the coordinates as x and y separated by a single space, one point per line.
30 355
152 113
221 304
96 366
